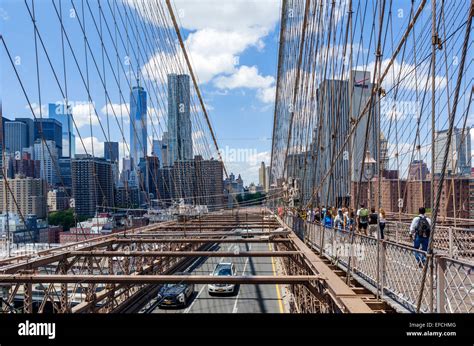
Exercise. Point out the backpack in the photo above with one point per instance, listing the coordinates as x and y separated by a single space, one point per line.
423 229
364 215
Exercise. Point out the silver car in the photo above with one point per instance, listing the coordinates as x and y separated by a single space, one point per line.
222 269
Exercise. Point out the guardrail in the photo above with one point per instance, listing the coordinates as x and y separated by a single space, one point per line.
394 267
455 242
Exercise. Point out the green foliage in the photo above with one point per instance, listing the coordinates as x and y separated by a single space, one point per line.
251 198
64 218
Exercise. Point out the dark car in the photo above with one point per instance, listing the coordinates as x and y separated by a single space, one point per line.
175 295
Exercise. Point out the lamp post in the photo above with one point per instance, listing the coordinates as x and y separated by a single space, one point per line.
369 173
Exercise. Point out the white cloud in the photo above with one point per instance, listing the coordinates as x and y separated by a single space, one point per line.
84 114
36 109
249 168
244 77
267 95
4 14
214 52
197 15
90 142
119 109
404 74
249 77
220 32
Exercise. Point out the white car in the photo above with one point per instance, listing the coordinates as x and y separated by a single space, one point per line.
246 233
222 269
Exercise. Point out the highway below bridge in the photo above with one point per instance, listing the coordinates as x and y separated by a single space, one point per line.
246 299
123 273
286 266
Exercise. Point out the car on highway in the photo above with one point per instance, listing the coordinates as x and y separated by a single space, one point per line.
175 295
246 233
222 269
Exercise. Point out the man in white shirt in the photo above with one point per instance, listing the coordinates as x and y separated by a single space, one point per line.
420 230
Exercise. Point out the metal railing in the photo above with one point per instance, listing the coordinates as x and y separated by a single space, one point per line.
455 242
397 271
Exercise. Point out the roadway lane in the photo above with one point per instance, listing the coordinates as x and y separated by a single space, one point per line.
249 298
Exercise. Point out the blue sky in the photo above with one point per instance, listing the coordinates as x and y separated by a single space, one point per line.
234 49
239 95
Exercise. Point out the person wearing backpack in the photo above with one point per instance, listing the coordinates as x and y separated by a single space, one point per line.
420 230
363 219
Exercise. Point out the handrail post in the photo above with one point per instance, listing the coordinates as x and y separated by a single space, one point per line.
450 244
383 263
440 285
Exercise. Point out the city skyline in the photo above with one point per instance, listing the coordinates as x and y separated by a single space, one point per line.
237 156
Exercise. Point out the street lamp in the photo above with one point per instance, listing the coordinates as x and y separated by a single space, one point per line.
369 173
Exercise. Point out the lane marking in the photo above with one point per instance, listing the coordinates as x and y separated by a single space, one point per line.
194 300
280 303
203 287
234 310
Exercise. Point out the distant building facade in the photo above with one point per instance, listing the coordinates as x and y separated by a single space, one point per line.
459 155
92 184
49 130
138 124
180 142
29 194
16 136
46 153
198 182
418 170
63 114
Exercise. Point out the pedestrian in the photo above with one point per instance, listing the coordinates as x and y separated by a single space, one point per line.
280 212
327 220
382 222
420 230
351 221
339 220
362 219
317 215
373 222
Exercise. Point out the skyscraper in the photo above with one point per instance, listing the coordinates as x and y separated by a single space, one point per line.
197 181
92 184
262 174
16 136
30 124
138 124
63 114
459 156
332 98
49 130
180 143
47 154
111 151
28 196
267 179
158 150
361 89
65 181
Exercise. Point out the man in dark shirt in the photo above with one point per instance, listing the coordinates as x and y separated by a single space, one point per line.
373 218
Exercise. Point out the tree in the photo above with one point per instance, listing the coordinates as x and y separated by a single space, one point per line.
251 198
63 218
